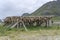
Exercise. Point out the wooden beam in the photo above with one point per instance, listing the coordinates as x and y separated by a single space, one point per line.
24 26
14 25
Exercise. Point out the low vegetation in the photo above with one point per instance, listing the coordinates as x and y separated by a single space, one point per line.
33 33
4 30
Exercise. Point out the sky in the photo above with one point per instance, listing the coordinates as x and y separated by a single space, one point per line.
18 7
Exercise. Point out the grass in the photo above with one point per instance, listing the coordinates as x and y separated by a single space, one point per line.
33 31
4 31
56 18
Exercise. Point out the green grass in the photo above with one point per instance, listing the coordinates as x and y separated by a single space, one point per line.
21 34
57 18
4 31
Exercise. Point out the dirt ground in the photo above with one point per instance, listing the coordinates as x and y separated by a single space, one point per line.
33 35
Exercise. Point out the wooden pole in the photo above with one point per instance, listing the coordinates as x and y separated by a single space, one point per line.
14 25
18 23
24 26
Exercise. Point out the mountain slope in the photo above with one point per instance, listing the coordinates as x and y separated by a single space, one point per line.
50 8
25 14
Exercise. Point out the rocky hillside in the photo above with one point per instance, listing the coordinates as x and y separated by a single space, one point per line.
50 8
25 14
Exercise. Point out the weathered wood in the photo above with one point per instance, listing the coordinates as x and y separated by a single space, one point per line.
27 20
14 25
24 26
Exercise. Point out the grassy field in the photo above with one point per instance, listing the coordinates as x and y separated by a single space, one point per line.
39 29
33 32
56 18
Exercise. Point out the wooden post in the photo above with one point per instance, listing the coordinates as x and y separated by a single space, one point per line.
24 26
47 23
18 23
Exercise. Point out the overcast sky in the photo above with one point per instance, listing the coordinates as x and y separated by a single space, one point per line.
18 7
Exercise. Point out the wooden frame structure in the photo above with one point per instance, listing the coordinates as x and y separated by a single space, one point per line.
16 21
